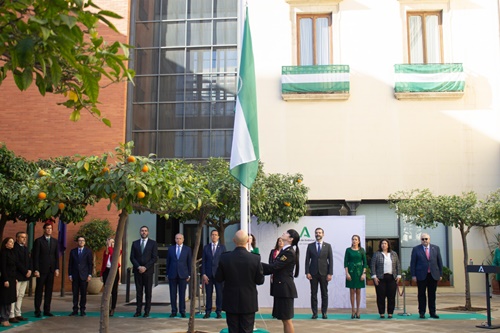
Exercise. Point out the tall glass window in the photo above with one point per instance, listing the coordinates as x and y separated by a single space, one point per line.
183 98
314 39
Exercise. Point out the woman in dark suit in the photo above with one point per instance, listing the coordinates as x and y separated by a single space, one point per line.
283 287
386 272
8 279
273 254
106 265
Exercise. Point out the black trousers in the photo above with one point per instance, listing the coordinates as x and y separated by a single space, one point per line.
114 291
44 281
240 322
429 285
79 288
386 289
143 285
174 285
323 284
218 295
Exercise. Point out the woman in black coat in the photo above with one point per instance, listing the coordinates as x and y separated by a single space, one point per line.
7 279
283 288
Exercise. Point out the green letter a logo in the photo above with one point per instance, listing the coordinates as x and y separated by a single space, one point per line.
304 232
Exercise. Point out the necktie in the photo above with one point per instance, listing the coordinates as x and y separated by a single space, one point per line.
48 241
142 246
213 249
319 247
178 253
428 256
79 252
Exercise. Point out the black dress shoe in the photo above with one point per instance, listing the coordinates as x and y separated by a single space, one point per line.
183 315
111 312
206 316
146 315
422 315
324 316
435 316
219 316
172 315
21 318
48 314
83 313
38 315
137 314
13 320
314 316
74 313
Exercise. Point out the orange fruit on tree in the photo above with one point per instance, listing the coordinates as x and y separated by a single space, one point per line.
131 159
42 195
286 203
299 180
145 168
141 194
61 205
105 169
41 173
113 196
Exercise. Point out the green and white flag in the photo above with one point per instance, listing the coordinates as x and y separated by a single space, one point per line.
244 162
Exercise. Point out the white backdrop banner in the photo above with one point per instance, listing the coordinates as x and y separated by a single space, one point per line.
338 232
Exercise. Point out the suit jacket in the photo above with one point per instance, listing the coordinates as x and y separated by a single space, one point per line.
45 257
181 267
209 261
147 258
282 270
23 262
419 263
105 257
377 265
241 272
322 264
80 265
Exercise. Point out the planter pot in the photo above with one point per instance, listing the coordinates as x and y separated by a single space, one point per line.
444 283
95 286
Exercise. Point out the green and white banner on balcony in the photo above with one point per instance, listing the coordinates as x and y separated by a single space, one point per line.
320 79
429 78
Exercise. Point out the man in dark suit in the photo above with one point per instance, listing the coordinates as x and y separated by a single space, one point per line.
23 274
209 262
179 273
80 273
319 269
241 272
426 268
143 255
45 256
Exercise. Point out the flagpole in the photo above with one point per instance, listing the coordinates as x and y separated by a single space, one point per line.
244 208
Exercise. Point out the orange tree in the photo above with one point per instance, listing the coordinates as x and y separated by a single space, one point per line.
464 212
131 184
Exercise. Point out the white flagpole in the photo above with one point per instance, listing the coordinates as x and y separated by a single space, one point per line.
243 208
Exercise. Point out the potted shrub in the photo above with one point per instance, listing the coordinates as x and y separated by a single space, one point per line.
96 232
446 277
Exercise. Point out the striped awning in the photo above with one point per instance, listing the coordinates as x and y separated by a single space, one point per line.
429 78
322 79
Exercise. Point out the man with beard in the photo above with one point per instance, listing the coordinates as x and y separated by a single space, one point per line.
319 270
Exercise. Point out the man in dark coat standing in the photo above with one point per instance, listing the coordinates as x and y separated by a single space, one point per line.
426 268
179 258
319 270
45 255
143 255
209 262
24 269
80 273
241 272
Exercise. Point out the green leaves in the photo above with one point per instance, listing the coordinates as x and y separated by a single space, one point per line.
57 41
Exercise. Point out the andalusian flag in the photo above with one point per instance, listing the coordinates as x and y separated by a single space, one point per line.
245 150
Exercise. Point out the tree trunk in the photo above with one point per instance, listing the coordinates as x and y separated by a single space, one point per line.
468 302
120 230
194 283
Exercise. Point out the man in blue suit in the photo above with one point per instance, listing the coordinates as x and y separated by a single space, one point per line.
80 272
143 255
209 262
178 273
426 268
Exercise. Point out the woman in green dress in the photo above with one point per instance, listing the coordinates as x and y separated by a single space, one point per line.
496 259
355 270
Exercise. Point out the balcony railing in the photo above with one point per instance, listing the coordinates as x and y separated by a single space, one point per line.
315 82
422 81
